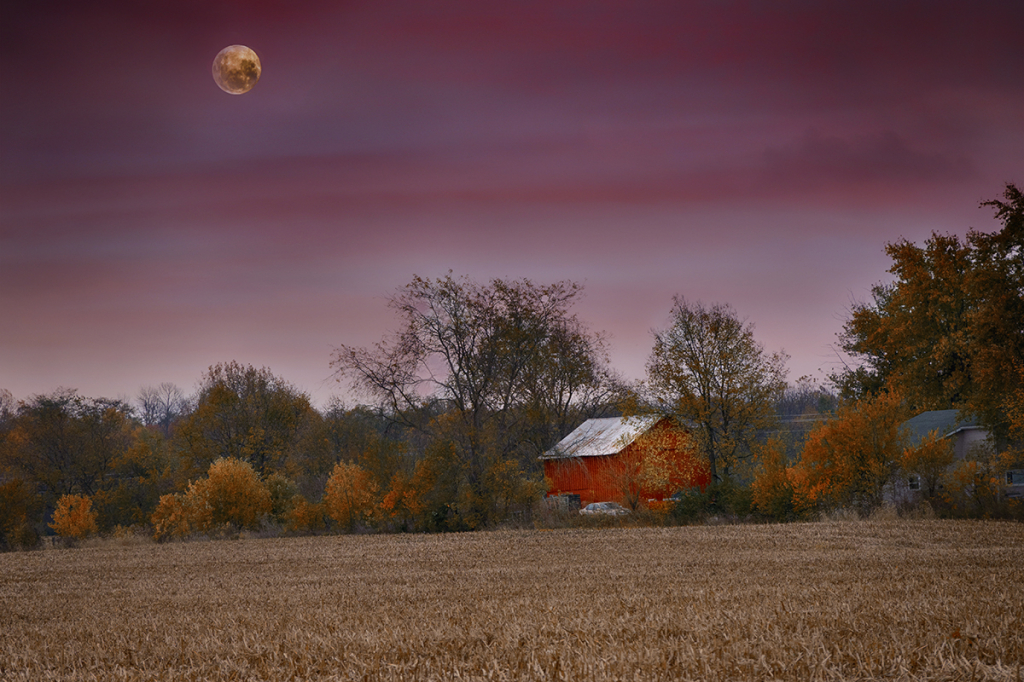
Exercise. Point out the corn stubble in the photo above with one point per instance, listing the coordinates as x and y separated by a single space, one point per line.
831 601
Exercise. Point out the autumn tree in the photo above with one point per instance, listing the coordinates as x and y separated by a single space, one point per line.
351 495
231 494
928 460
342 434
136 479
1013 406
284 496
847 461
497 372
949 330
20 507
234 494
19 504
74 518
425 498
772 487
242 413
65 443
972 488
707 369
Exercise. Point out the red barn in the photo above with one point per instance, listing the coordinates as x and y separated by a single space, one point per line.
627 460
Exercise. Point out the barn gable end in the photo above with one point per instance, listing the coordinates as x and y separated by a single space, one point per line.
598 461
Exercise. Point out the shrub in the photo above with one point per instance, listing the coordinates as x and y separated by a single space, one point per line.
304 517
974 487
930 461
724 498
234 494
173 517
74 517
231 494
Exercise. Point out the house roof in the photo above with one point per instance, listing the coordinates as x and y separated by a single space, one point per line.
946 422
601 437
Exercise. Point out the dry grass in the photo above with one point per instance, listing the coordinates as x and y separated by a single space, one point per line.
871 600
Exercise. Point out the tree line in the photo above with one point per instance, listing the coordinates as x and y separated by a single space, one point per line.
481 379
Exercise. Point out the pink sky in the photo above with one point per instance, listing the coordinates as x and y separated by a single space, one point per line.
754 153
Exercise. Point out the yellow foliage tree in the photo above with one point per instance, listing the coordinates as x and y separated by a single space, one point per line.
173 517
350 496
74 517
231 494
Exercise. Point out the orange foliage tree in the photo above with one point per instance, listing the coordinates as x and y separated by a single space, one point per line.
74 517
234 494
173 517
848 460
409 496
351 495
972 488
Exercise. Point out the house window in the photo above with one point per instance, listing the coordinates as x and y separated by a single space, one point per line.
914 482
1015 477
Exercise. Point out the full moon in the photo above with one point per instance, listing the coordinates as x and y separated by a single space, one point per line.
236 69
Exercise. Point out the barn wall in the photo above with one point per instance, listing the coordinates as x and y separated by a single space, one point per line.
583 476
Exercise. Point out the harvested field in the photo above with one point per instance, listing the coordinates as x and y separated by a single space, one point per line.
857 600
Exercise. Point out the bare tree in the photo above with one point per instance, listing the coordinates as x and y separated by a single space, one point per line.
162 405
498 371
8 407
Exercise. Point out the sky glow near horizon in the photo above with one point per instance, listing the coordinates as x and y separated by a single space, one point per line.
759 154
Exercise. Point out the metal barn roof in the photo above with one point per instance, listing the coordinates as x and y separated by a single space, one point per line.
600 437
